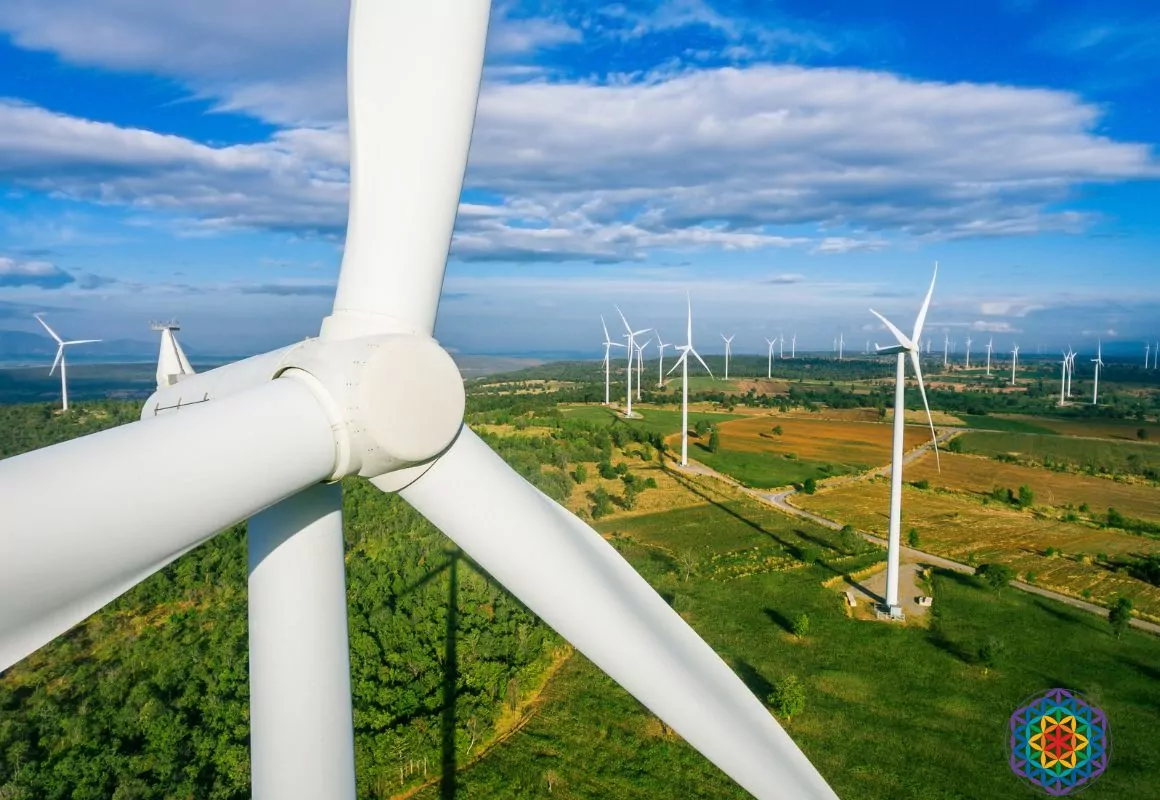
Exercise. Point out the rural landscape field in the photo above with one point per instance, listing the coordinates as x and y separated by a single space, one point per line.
1073 516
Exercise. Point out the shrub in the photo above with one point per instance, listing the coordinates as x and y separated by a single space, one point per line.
810 486
912 538
922 484
788 697
601 503
1120 616
996 575
701 428
714 441
1026 496
777 431
801 626
606 470
1142 434
580 474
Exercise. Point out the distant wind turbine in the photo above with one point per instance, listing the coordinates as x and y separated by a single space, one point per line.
640 365
631 336
781 344
683 362
1014 361
728 342
968 363
946 349
990 345
60 359
608 345
1071 354
905 347
769 359
661 345
1147 350
1063 376
1099 362
793 346
841 344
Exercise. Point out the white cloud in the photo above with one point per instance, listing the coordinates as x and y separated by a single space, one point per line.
715 158
994 327
40 274
787 277
1008 308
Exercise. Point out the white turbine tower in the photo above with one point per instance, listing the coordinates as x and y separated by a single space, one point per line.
1147 350
683 362
781 344
61 344
1063 376
728 343
793 346
631 336
172 365
661 345
1071 354
990 346
946 349
1014 361
968 362
1099 362
905 347
841 344
608 345
769 359
373 395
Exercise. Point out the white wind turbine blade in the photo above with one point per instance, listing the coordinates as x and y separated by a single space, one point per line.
899 335
51 332
627 327
576 582
681 360
607 338
703 364
178 479
920 320
914 359
59 356
413 79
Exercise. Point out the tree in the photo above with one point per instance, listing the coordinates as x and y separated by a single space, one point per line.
996 575
788 697
601 503
801 626
810 486
1142 434
580 474
714 441
912 538
701 428
989 652
1120 615
777 430
1026 496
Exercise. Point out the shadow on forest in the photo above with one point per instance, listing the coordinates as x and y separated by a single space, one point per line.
448 764
779 619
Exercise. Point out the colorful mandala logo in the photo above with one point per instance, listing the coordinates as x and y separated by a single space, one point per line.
1060 742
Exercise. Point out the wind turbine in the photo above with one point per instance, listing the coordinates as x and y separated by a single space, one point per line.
946 349
968 364
793 346
373 395
172 365
61 344
631 336
769 359
728 342
661 345
1071 354
990 345
683 362
1099 362
1147 350
866 352
841 344
1014 361
1063 376
640 365
608 345
781 344
904 348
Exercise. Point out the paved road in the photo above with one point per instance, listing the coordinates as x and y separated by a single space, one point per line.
780 501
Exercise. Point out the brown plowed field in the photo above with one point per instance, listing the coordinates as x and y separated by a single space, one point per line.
851 443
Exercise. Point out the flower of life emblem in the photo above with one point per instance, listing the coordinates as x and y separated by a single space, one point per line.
1060 742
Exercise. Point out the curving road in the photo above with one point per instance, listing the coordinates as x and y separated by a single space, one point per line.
780 501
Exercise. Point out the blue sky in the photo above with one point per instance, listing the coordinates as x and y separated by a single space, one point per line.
789 163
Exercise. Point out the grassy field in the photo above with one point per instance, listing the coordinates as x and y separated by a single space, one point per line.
940 716
1100 428
979 475
1089 455
652 419
1009 424
962 528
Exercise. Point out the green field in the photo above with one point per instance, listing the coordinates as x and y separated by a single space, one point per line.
764 470
988 422
664 421
1087 455
891 712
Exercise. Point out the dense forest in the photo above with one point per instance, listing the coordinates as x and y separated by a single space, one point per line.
148 698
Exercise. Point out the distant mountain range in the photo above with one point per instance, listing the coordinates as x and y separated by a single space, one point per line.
18 347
